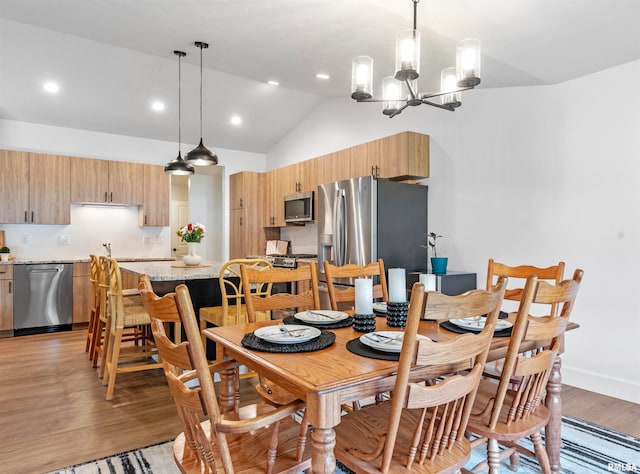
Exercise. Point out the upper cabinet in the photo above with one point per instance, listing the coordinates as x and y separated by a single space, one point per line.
404 156
34 188
110 182
155 212
246 214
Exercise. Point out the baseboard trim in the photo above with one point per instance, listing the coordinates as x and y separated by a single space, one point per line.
594 382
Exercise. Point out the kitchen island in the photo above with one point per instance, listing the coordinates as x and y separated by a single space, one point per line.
202 282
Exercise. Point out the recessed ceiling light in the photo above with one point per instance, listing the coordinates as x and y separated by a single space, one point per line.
273 83
51 87
236 120
157 105
322 75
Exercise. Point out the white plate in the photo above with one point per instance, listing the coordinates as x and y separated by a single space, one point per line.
477 325
293 334
380 307
386 341
321 316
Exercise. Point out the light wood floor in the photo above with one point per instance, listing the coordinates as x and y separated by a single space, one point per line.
53 413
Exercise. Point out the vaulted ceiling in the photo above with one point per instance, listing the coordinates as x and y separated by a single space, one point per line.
113 58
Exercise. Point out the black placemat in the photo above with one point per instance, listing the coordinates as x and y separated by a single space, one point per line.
324 340
449 326
343 323
355 346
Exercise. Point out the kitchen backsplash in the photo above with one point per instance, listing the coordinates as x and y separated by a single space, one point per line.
90 227
303 238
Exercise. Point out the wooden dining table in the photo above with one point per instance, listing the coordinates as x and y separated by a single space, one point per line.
328 378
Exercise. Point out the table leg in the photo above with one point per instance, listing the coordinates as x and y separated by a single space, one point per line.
229 390
323 460
553 402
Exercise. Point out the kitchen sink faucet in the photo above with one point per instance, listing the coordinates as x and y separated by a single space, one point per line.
108 247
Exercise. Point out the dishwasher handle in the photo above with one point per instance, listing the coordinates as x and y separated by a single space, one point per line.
44 270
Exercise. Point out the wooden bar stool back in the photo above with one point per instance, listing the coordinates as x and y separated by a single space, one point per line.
126 313
95 301
233 310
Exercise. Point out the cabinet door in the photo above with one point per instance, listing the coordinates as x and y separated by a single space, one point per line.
126 183
274 199
49 189
14 187
155 212
6 300
402 156
236 191
6 308
82 292
236 234
89 180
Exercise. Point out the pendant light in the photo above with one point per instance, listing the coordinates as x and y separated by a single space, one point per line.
179 166
201 155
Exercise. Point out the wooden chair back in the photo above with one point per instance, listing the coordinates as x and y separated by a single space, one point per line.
262 440
232 291
513 408
338 297
95 300
518 275
427 417
279 301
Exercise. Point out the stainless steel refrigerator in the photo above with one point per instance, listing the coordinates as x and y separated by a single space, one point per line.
363 219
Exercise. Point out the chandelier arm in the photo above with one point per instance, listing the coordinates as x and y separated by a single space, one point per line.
411 91
381 100
397 112
440 106
440 93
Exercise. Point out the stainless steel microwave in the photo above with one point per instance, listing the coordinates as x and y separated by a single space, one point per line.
298 207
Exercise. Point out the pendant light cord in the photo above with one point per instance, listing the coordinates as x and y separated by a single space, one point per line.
180 55
201 46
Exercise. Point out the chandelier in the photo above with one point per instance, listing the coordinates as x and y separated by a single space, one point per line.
401 90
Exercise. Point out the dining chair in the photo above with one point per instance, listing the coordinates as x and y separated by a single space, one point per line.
339 296
232 309
422 428
258 304
126 313
95 302
270 303
511 408
518 275
255 438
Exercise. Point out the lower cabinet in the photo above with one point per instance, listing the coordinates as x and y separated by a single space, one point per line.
82 292
6 300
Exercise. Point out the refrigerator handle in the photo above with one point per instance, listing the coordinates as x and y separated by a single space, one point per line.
339 228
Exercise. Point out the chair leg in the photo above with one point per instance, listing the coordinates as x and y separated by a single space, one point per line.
541 453
90 330
493 456
302 437
112 362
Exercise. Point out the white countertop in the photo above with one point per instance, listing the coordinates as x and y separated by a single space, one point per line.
23 261
165 271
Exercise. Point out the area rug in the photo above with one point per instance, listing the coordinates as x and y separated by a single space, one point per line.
586 448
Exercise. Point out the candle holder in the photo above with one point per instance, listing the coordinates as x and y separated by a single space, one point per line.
397 314
364 322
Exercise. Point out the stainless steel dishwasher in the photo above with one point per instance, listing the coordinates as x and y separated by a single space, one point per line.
42 298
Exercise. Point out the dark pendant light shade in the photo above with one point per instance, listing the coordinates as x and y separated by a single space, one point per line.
201 155
179 166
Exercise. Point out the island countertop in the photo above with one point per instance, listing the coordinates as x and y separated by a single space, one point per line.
168 271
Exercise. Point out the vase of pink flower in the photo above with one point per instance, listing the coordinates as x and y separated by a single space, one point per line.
192 234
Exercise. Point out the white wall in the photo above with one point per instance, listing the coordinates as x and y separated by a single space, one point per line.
91 226
530 175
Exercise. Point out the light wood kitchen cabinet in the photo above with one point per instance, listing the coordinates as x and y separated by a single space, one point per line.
82 292
156 208
401 157
109 182
246 236
6 300
274 198
34 188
